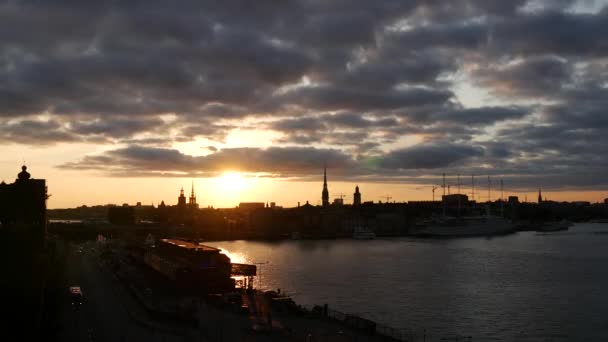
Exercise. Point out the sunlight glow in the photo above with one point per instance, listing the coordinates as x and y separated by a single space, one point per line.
232 181
235 257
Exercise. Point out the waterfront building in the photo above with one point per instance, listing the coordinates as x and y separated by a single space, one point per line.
325 192
357 196
190 266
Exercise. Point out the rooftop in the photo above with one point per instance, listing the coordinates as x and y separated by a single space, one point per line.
190 245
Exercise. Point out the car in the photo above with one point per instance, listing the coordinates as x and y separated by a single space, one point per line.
76 295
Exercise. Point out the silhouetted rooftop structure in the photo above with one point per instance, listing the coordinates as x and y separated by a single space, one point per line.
23 205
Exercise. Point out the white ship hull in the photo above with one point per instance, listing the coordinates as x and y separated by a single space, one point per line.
477 226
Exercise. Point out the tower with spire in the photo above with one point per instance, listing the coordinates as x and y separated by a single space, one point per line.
357 196
181 200
192 199
325 192
540 197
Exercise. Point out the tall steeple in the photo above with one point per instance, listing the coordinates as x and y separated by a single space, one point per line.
325 192
540 197
357 196
192 199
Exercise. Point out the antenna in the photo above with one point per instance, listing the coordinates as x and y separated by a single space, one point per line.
502 202
489 190
501 190
473 187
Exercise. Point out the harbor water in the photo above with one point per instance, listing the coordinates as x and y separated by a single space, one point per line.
526 286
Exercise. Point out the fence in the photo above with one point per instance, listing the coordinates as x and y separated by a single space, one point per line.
370 327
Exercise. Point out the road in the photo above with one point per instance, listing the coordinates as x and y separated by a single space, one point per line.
108 313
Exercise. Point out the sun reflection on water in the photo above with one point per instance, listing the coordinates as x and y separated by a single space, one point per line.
235 257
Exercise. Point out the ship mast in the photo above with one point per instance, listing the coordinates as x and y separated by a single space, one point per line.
473 187
443 197
502 201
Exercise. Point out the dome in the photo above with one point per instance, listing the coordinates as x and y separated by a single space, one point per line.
24 175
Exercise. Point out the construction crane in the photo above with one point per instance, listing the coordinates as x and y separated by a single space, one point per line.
433 188
388 198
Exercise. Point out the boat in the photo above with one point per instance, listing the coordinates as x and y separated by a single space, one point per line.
555 226
464 226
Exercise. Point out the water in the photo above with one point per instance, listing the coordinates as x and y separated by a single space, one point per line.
525 287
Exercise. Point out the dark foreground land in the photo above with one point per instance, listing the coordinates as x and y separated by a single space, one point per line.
118 305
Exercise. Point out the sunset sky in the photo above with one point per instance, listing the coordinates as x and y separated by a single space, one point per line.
126 101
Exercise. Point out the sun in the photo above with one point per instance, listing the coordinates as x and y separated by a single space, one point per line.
232 181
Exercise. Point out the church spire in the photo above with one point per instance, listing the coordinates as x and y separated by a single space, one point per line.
192 199
325 192
540 197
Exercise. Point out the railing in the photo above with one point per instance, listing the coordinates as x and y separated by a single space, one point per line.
370 327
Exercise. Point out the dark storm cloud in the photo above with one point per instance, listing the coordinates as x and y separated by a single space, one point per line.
327 98
452 35
479 116
532 77
429 156
284 161
352 75
552 32
118 127
35 132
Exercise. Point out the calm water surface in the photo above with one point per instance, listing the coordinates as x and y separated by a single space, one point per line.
525 287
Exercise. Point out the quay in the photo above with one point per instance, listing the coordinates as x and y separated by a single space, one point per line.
236 314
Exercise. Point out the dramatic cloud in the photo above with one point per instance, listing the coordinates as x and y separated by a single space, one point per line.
385 89
132 160
429 156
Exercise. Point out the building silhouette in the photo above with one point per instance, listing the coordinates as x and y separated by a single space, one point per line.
540 197
23 205
357 196
325 192
24 258
181 200
192 200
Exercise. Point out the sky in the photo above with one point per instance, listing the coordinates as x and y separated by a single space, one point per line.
126 101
